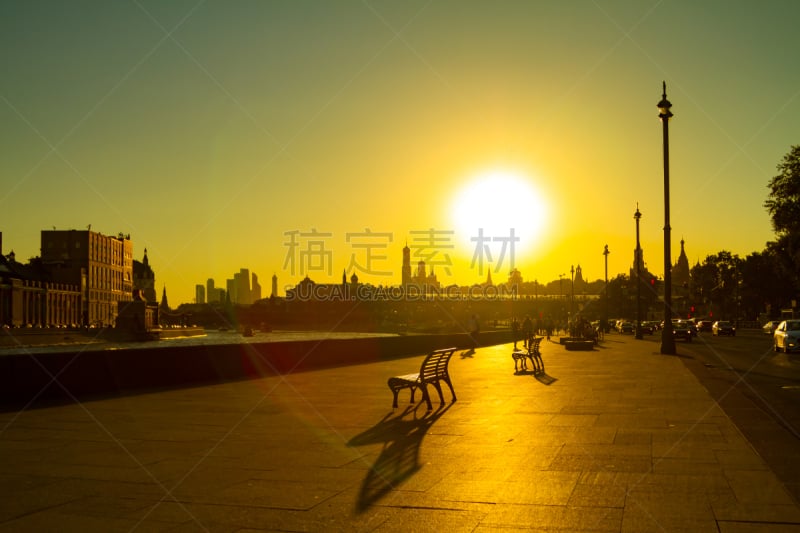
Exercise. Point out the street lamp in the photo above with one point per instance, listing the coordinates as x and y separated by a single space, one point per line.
572 292
605 322
667 336
637 215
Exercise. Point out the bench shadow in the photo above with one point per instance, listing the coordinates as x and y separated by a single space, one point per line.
401 435
540 375
545 379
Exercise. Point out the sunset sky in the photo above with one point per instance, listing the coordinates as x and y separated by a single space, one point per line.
217 133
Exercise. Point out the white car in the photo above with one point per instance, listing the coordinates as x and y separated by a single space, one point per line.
787 336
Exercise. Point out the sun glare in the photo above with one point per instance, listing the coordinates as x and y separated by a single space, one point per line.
497 203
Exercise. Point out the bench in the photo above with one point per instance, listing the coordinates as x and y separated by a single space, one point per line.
434 368
532 353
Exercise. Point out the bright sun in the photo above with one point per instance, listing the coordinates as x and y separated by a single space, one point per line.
498 202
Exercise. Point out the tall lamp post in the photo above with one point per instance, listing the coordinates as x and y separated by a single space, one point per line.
636 216
605 321
667 336
572 293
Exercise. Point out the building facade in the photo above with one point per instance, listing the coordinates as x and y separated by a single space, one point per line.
107 262
29 297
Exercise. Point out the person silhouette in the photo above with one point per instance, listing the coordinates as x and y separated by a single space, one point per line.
474 329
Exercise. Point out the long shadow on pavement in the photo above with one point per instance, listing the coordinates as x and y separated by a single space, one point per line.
402 437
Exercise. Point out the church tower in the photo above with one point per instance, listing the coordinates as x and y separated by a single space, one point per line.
144 279
680 270
406 271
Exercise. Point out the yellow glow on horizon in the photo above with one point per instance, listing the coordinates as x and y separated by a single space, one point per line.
495 202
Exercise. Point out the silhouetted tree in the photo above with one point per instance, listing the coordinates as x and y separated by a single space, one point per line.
762 285
783 202
783 205
716 280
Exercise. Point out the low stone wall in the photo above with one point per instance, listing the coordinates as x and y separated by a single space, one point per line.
99 372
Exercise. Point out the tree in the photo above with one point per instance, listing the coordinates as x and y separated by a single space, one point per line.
783 205
763 285
783 202
716 282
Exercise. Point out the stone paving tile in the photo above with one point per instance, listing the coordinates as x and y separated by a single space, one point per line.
620 439
513 517
745 527
757 487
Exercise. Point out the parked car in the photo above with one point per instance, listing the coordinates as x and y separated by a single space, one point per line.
787 336
769 327
649 327
704 325
723 327
681 330
626 327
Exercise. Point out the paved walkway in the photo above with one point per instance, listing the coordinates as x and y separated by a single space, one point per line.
619 439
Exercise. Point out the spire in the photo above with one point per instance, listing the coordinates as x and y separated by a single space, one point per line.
145 262
164 304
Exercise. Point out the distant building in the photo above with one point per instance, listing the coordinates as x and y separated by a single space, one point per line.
144 279
307 290
164 305
102 265
212 294
255 288
643 272
680 283
274 293
28 296
680 270
579 284
406 269
241 288
199 294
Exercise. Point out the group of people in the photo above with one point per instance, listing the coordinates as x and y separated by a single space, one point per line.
578 328
531 327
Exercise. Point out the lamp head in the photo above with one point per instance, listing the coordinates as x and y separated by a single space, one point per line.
664 105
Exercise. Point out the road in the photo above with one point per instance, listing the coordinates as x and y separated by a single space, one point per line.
758 388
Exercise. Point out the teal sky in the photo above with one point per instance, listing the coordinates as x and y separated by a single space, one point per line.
210 130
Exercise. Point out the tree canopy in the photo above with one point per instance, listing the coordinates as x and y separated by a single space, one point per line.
783 202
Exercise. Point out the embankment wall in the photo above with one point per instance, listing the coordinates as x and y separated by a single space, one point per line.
76 373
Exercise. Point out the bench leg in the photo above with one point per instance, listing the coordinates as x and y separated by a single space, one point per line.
452 390
439 390
395 385
426 396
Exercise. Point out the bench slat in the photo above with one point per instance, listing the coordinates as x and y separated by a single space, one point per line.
432 371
